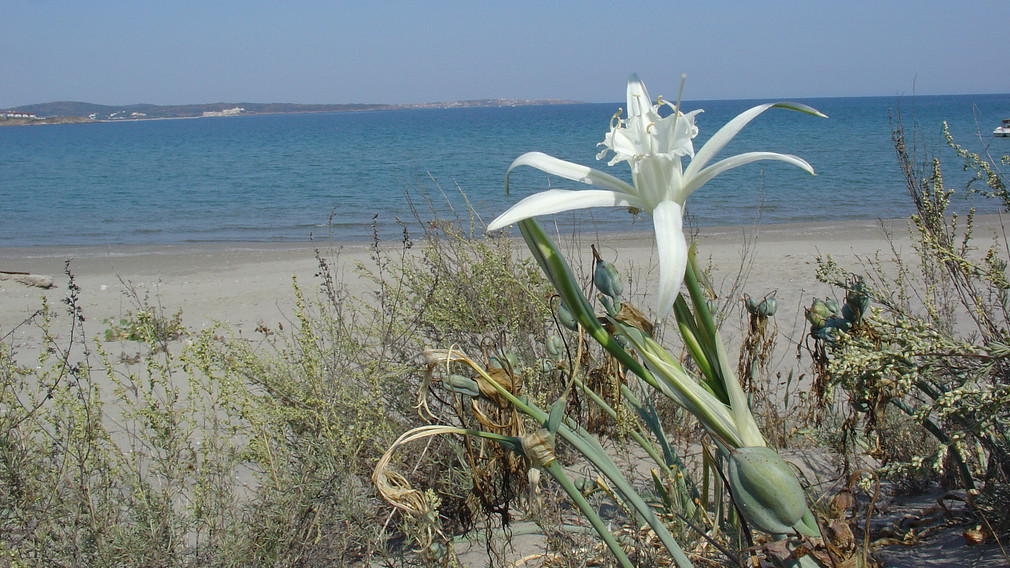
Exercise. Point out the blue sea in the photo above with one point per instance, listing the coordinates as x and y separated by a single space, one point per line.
349 176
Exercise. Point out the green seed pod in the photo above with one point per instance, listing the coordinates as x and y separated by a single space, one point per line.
464 386
752 305
821 308
607 280
566 319
765 489
768 306
831 304
556 347
858 299
816 320
504 361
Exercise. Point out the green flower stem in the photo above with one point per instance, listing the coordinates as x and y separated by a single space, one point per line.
746 426
688 333
750 433
669 459
702 329
609 411
698 299
588 512
556 268
590 448
675 383
713 414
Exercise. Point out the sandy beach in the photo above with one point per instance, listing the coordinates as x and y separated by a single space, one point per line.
244 285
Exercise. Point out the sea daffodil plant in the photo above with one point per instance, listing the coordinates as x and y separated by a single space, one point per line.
763 486
653 145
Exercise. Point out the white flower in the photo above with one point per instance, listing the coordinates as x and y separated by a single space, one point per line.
653 146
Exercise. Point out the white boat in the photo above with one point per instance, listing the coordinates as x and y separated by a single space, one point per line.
1003 129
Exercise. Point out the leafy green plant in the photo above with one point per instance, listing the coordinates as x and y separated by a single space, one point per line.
144 326
934 351
103 465
218 453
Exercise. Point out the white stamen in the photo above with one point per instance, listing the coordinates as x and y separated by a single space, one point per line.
676 108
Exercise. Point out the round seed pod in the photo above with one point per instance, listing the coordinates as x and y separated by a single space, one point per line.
566 319
821 308
556 347
768 306
766 489
816 320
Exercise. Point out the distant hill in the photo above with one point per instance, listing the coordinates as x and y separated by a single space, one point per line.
142 111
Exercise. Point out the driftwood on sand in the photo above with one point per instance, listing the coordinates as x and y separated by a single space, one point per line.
27 279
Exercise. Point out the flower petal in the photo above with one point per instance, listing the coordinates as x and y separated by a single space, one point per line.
568 170
639 102
668 218
559 200
719 140
700 178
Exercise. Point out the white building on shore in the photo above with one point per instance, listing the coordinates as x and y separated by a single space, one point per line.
5 114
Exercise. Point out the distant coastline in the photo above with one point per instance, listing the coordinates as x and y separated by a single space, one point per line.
45 120
69 112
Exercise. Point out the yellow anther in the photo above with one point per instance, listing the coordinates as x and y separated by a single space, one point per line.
615 121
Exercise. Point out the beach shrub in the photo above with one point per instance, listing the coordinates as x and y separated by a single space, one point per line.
144 326
931 360
109 464
314 412
458 285
218 452
230 450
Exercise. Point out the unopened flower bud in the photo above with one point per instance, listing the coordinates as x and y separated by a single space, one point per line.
816 319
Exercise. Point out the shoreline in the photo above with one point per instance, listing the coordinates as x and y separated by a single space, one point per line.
246 285
853 227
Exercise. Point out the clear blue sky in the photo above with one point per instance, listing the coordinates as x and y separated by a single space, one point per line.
403 51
